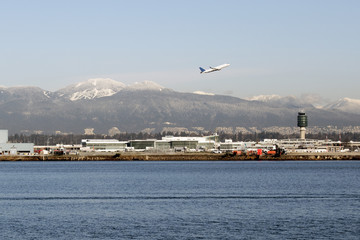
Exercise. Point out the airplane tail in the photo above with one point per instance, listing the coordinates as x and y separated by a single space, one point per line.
201 70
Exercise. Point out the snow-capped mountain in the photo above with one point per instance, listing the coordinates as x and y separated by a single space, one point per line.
105 104
92 88
346 105
102 87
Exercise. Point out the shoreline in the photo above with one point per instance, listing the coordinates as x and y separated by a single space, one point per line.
183 157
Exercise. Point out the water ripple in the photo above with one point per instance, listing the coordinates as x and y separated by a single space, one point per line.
335 196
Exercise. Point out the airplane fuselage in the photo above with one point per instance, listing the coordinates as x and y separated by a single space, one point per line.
213 69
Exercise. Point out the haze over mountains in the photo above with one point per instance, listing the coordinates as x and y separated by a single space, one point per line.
104 104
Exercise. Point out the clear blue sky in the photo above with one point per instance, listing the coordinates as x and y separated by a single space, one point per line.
274 47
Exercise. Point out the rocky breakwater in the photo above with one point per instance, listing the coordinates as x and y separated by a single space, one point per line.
118 157
184 157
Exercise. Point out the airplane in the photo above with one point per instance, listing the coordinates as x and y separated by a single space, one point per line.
213 69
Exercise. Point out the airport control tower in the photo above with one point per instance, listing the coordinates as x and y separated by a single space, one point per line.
302 122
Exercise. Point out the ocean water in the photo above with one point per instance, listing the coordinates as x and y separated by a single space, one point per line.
180 200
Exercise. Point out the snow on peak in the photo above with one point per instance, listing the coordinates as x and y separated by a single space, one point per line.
46 93
343 102
146 85
99 83
351 100
103 87
92 88
264 98
346 105
283 101
92 93
204 93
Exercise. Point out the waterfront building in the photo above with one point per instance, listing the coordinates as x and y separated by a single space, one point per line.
289 145
103 145
309 145
162 145
142 144
167 143
229 145
8 148
213 138
193 143
177 144
65 148
210 143
355 146
207 145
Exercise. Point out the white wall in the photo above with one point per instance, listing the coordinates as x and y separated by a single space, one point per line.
4 136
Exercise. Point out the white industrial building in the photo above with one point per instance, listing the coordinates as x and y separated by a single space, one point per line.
7 148
209 143
102 145
167 143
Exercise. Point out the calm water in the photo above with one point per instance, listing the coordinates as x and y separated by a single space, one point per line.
180 200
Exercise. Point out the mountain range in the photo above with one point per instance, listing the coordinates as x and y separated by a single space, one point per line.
105 104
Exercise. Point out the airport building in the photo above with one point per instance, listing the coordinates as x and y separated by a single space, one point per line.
163 145
102 145
192 143
142 144
229 145
7 148
167 143
211 143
